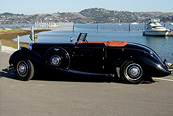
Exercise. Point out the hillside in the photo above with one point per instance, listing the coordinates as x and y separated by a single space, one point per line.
92 15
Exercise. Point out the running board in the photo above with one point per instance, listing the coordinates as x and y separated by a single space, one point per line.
74 72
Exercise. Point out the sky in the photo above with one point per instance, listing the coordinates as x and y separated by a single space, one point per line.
28 7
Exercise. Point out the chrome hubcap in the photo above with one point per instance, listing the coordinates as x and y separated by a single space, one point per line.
22 68
134 71
55 60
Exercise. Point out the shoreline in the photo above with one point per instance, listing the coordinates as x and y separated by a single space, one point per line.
7 36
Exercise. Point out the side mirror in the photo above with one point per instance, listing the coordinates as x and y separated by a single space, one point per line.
71 39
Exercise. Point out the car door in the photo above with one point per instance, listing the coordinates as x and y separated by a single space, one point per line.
88 57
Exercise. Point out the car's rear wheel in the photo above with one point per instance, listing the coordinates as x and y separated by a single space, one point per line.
24 69
132 72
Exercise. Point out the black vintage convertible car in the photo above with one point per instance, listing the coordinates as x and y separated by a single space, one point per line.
131 62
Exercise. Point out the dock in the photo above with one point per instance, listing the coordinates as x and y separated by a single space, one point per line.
40 26
53 26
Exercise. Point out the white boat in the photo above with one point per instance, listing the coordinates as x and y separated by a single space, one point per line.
154 28
171 23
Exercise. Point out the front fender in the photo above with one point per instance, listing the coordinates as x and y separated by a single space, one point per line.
27 54
37 60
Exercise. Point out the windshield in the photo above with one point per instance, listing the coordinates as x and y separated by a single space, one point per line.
82 37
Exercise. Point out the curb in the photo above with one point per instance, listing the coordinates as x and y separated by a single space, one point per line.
0 46
7 49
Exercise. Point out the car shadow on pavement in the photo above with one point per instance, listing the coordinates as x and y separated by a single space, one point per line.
53 76
8 74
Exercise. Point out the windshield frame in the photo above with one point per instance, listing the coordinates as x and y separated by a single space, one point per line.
82 37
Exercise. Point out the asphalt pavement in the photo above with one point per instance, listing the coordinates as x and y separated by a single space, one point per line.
81 96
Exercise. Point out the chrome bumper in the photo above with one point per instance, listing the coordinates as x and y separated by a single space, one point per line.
171 70
9 67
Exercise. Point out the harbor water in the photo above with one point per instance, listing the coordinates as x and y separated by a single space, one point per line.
107 32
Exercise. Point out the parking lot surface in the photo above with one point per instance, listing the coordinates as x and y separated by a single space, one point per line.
56 95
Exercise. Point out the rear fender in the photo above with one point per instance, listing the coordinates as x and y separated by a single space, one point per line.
148 62
144 59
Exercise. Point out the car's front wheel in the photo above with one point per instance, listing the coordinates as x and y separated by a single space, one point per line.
132 72
24 69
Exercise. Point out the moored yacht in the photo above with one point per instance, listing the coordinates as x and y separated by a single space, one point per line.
154 28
